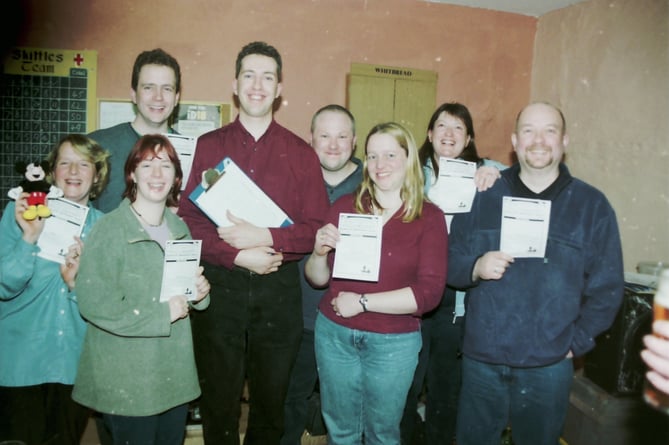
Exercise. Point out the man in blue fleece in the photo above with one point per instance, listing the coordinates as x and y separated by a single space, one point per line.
529 315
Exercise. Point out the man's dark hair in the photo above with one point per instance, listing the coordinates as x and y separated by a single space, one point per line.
260 48
155 57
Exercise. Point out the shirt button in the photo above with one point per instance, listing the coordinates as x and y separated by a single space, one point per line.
60 332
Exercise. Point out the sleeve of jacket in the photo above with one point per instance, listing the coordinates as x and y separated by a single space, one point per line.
604 282
17 257
430 281
298 238
461 256
123 303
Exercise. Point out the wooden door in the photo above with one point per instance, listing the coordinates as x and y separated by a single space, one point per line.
380 94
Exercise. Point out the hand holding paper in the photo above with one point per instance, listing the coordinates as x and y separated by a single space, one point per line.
260 260
358 254
69 269
180 269
235 191
244 235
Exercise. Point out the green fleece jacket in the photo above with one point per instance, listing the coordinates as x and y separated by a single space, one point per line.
134 361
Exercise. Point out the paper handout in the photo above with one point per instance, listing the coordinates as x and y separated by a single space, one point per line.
358 252
525 227
182 258
66 221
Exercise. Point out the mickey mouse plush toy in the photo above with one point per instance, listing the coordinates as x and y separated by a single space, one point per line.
36 185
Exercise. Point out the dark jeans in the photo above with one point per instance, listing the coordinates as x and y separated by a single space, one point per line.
251 330
41 414
440 372
302 384
533 400
168 428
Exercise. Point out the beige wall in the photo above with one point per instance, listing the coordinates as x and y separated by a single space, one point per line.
603 61
606 64
482 58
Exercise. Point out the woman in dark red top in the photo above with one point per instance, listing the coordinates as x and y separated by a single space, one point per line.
368 333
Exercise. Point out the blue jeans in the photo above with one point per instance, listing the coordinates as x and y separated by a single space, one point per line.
302 384
533 401
364 381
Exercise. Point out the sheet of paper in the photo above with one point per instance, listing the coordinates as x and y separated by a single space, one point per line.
185 147
454 190
182 258
358 252
525 224
66 221
236 192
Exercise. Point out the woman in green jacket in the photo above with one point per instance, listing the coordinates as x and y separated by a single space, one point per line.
137 366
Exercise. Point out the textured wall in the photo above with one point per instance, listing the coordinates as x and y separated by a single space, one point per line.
483 58
606 64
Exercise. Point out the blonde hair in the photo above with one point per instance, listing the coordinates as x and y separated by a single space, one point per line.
411 192
92 152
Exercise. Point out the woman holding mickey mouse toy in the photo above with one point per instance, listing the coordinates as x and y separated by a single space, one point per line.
41 330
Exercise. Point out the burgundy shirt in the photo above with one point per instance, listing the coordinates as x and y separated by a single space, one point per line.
412 254
283 165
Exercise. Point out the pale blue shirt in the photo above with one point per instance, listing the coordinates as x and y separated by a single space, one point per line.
41 330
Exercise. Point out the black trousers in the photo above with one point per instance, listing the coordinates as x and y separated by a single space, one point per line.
439 371
41 415
250 331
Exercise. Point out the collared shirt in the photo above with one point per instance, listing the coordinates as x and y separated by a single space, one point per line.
283 165
41 330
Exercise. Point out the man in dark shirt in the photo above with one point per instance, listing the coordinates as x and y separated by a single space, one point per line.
155 88
253 326
532 304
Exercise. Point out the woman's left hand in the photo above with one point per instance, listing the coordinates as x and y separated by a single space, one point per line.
202 285
485 177
69 270
347 304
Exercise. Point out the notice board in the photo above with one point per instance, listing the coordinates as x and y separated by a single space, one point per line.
44 95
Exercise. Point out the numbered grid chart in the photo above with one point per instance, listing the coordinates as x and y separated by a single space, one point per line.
36 112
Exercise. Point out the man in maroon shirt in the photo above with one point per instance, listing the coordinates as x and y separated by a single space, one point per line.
253 326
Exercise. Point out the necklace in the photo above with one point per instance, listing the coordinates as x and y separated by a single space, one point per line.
145 221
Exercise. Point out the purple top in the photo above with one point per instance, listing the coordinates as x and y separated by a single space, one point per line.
412 254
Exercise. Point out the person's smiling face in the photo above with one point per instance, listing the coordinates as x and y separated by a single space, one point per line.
74 174
257 86
154 177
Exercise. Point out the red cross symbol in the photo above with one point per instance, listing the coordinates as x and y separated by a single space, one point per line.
78 59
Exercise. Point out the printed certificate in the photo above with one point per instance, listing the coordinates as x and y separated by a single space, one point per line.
525 224
185 147
66 221
182 259
454 190
358 252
